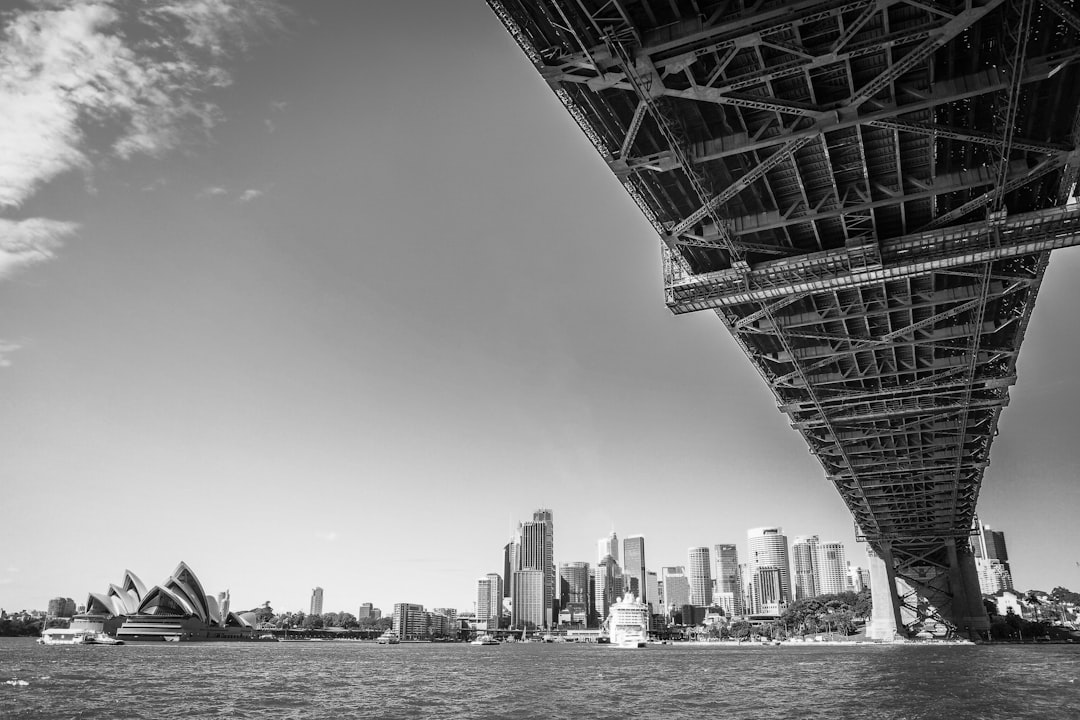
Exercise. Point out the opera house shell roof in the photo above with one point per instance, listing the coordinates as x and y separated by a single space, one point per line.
178 608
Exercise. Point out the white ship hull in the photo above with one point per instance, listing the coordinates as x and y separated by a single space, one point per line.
628 623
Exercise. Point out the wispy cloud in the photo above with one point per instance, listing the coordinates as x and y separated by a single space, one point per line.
330 536
24 242
213 191
137 73
249 195
6 348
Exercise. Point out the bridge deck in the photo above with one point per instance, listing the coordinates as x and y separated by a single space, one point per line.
865 192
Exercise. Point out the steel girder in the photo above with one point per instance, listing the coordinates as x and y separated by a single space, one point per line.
866 194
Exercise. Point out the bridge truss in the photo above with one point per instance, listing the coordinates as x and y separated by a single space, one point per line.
865 192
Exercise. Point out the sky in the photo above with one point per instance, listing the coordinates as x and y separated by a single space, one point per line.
335 293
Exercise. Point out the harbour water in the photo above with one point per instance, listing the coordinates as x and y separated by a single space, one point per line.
342 679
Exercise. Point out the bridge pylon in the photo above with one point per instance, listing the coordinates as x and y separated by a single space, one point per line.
925 585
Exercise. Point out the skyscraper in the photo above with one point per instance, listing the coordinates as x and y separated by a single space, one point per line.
767 549
316 601
729 576
534 549
489 596
634 567
527 609
574 586
804 556
676 586
608 547
608 586
991 559
832 568
699 563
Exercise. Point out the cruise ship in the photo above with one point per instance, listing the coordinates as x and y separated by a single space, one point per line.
628 622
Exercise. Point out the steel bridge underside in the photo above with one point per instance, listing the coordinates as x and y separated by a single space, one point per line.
866 193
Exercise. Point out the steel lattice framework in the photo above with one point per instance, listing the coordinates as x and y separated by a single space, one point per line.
865 192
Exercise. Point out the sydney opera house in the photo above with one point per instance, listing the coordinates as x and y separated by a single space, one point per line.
176 610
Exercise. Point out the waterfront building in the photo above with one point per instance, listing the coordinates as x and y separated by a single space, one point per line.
534 550
676 587
804 559
725 601
633 566
858 578
508 566
316 601
767 550
699 564
528 609
991 559
410 622
574 586
608 547
177 608
832 568
729 576
489 599
652 591
609 586
768 592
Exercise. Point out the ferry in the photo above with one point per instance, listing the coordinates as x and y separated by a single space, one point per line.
484 639
83 630
388 638
628 622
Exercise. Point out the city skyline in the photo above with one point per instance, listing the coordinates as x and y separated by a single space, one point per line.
336 290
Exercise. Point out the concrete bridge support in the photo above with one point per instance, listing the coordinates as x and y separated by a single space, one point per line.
925 585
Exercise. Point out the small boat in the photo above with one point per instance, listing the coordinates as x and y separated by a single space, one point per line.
388 638
628 622
484 639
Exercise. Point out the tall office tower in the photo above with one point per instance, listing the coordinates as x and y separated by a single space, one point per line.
804 556
489 596
991 559
534 550
609 586
316 601
574 586
768 591
990 545
608 547
592 614
634 566
768 549
832 568
365 611
729 576
527 608
508 566
699 563
546 517
652 591
676 587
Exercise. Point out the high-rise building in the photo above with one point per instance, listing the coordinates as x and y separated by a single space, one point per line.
768 591
61 607
367 610
804 557
767 550
608 547
508 566
489 597
608 586
316 601
676 587
729 576
832 568
652 591
527 608
534 550
699 563
410 622
574 586
634 567
991 559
